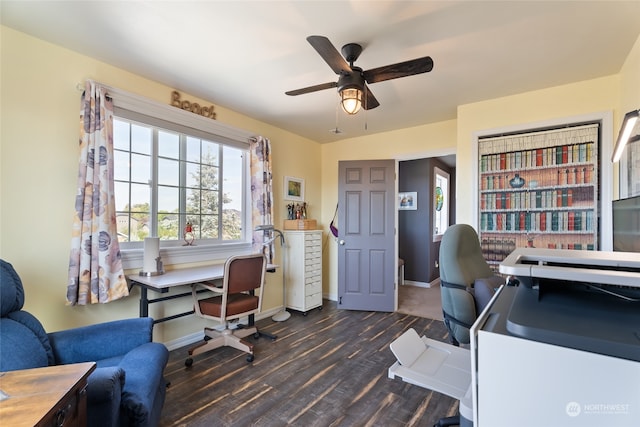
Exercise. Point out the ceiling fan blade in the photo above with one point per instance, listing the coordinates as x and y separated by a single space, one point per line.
401 69
330 54
370 102
315 88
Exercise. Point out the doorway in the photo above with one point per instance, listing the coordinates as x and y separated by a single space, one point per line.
418 233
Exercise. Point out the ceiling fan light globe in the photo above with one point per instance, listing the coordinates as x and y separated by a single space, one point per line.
351 100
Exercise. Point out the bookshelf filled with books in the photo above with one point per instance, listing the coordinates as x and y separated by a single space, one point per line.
540 196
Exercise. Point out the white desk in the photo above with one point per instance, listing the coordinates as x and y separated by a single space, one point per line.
179 277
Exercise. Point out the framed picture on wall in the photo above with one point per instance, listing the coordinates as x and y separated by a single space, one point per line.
540 189
293 188
408 201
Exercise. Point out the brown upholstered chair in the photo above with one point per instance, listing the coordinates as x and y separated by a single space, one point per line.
239 296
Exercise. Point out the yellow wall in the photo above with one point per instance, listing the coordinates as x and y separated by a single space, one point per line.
547 104
39 106
39 165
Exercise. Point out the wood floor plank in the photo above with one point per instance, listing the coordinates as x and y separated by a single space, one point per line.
328 368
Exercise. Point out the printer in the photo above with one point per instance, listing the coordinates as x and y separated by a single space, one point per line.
563 347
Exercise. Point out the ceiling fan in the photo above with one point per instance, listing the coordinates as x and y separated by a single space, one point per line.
352 83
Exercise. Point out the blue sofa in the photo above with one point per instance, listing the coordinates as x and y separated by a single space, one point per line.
126 389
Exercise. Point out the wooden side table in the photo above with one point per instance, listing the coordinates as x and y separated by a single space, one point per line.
50 396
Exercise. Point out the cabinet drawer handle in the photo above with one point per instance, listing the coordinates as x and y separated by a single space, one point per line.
61 416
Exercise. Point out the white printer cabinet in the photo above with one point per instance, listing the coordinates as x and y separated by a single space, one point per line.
303 269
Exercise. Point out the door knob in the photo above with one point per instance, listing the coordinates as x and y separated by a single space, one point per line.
341 242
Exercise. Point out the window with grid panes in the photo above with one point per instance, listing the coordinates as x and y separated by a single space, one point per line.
166 181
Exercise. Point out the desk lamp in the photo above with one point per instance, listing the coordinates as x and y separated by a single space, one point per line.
273 234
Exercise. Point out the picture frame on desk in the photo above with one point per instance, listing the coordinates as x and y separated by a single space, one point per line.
293 189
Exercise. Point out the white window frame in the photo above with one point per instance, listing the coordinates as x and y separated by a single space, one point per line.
437 237
134 107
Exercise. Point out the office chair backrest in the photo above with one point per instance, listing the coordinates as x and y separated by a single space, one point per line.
461 259
242 274
461 264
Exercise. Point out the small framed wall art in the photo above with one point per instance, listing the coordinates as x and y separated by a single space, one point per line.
293 188
408 201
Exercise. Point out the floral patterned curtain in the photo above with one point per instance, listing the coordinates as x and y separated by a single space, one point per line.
95 266
261 191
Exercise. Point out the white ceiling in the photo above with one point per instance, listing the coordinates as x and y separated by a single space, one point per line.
244 55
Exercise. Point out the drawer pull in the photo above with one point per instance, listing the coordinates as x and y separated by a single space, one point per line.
61 416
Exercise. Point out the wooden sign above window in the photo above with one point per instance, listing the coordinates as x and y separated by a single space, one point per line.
194 107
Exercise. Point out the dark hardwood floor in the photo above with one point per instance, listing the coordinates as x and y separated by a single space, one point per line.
328 368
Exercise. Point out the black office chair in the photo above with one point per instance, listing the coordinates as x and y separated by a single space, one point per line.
467 285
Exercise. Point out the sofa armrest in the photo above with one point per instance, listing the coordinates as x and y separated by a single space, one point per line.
100 341
145 375
104 394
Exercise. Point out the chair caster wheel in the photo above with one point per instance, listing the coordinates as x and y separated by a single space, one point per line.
188 362
250 358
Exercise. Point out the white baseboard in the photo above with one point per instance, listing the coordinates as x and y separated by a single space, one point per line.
330 297
418 284
199 336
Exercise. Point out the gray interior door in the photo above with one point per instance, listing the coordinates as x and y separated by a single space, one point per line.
366 239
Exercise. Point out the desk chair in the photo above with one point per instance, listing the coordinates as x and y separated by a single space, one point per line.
243 276
467 282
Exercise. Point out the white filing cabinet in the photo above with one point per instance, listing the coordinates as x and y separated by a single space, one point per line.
303 269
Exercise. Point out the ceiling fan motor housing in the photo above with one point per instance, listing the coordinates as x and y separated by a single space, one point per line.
352 80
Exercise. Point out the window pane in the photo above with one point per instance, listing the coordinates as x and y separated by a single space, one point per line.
209 177
121 135
232 197
209 228
168 224
121 165
168 144
168 172
168 200
209 202
193 201
193 149
210 153
122 195
140 168
122 221
231 224
232 179
140 198
140 139
193 175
